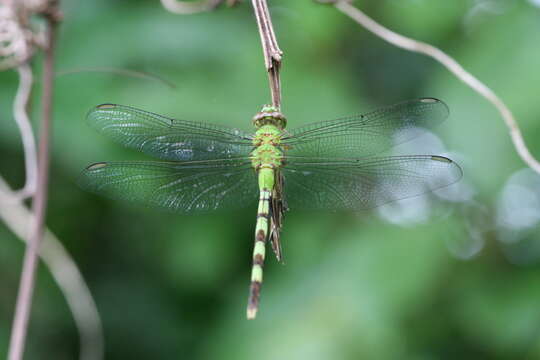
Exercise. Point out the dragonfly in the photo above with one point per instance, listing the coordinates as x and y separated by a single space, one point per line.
336 165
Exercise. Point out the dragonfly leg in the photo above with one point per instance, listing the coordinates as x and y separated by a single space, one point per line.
261 234
277 208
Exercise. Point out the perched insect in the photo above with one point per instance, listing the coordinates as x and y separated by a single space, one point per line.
325 165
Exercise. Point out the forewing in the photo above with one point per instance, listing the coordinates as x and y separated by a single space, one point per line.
367 134
357 184
166 138
190 187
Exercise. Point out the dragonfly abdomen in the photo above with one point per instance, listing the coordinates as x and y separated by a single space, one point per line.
261 234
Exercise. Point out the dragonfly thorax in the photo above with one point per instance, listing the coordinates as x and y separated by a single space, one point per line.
267 153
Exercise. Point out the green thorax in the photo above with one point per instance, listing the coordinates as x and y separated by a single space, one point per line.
270 124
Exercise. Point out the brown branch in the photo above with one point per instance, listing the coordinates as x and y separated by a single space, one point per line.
19 219
26 287
271 50
452 65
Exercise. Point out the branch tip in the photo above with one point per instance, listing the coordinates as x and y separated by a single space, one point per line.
449 63
271 51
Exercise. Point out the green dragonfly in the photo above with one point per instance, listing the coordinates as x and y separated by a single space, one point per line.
330 165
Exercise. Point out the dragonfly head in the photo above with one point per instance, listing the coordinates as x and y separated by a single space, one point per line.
270 115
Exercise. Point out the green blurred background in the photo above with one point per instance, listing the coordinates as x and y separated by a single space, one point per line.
428 278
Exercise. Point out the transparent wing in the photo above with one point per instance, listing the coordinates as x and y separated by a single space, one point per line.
165 138
357 184
368 134
189 187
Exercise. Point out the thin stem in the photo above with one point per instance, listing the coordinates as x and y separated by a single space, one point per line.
118 71
26 287
452 65
183 7
20 112
18 218
271 50
193 7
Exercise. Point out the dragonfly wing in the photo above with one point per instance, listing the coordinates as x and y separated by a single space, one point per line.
166 138
358 184
183 187
367 134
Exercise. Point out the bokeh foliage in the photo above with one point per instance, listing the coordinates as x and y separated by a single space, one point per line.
354 286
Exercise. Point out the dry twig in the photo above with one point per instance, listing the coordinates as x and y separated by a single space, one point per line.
28 273
271 50
20 112
17 45
452 65
15 37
